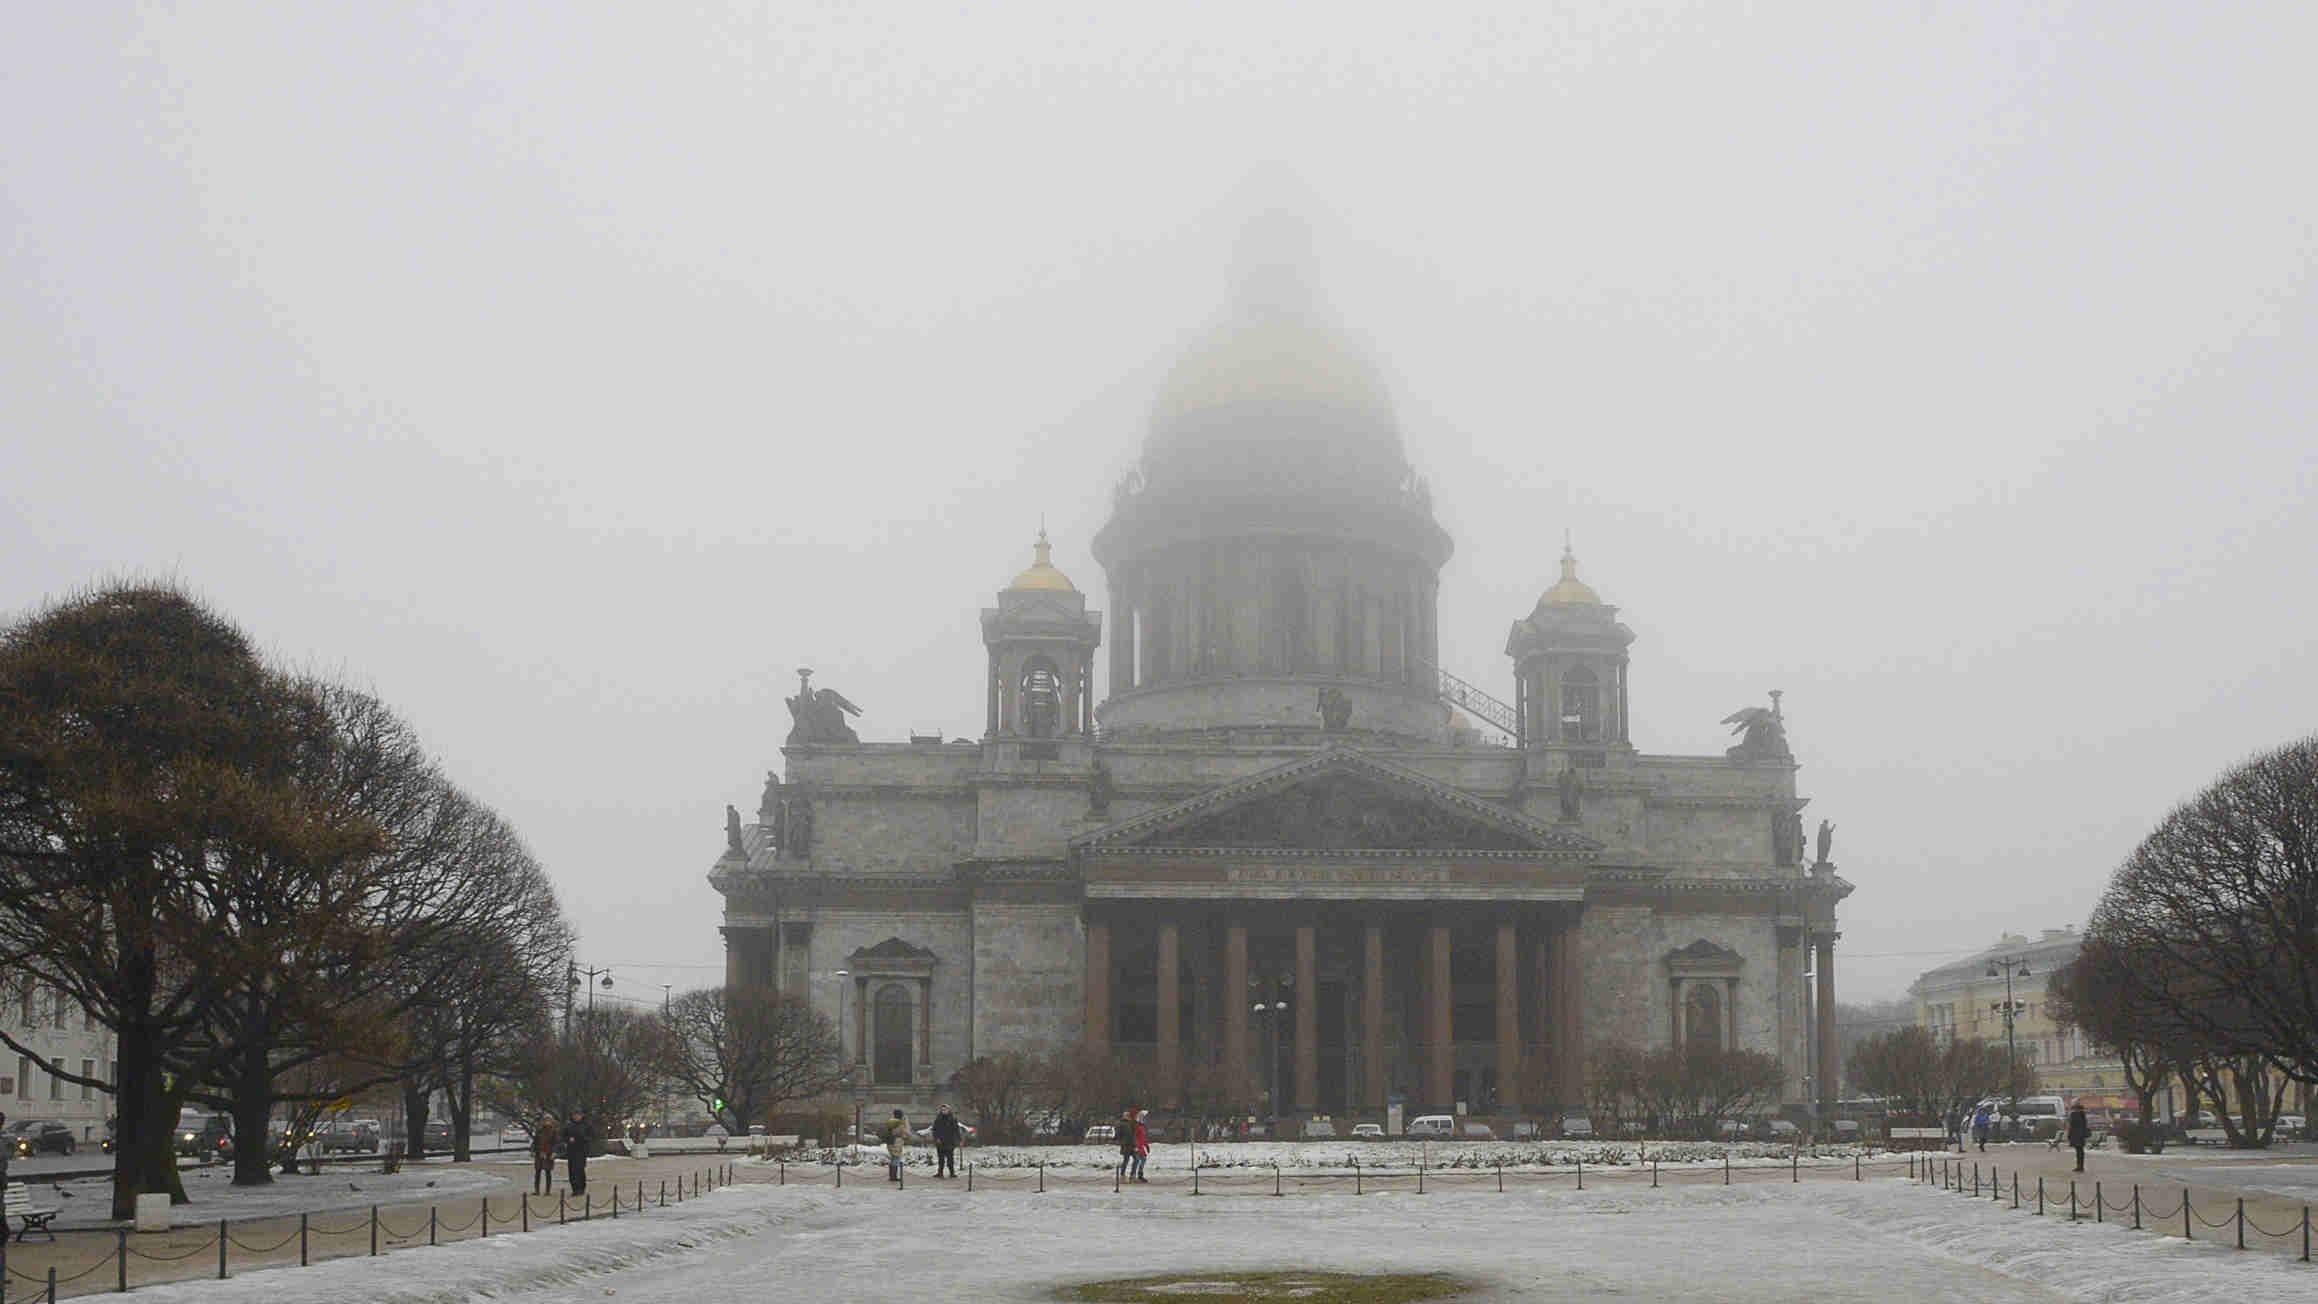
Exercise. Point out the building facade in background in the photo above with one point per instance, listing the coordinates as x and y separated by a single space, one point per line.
1966 1000
1248 825
66 1037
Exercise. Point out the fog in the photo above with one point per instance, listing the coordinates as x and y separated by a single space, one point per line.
570 375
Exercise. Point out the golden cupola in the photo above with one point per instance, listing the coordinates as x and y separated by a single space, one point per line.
1042 576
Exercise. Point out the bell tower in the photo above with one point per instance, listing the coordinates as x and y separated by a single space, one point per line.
1042 642
1569 667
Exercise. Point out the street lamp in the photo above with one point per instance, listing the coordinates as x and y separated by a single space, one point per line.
572 972
2010 967
1272 1012
842 1063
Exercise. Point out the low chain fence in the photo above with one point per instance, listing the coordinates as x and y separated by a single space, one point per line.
1354 1177
317 1237
2147 1213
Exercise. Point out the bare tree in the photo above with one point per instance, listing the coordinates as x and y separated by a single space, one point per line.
608 1065
2103 994
2222 900
746 1051
1000 1092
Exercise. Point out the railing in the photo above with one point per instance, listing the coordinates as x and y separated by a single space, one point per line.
1476 702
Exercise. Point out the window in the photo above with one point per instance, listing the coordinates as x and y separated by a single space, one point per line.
58 1011
24 995
1041 699
88 1069
1702 1017
1581 707
24 1074
56 1083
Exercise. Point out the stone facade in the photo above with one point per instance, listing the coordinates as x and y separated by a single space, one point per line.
1274 851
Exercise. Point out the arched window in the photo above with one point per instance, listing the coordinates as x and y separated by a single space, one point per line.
1042 692
895 1039
1702 1017
1581 707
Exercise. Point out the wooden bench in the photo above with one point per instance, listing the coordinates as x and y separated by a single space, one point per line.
32 1217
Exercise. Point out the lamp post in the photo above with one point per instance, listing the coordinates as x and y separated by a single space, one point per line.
2010 967
572 971
1271 1012
845 1065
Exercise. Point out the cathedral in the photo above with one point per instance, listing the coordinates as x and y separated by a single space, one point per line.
1273 842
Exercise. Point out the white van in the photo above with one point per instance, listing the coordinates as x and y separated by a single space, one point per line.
1439 1127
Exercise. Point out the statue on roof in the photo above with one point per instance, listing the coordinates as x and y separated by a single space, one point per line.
1826 841
1570 789
732 844
1762 733
1335 710
819 714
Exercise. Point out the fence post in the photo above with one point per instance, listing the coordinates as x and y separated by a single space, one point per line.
1042 1177
430 1224
2136 1206
1794 1165
121 1238
663 1192
2072 1199
2040 1195
1275 1179
615 1204
785 1173
374 1231
2015 1188
2185 1232
2305 1233
2099 1213
560 1217
1355 1179
1855 1169
301 1240
1581 1170
221 1249
2241 1222
639 1195
1976 1179
1726 1168
486 1216
527 1211
1500 1178
1653 1173
52 1284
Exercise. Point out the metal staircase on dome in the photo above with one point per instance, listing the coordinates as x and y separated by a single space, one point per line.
1475 701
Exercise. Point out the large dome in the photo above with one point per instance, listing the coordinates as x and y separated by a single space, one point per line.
1271 397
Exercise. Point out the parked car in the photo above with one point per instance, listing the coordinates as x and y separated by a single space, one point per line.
40 1136
438 1134
1479 1132
1368 1131
1438 1127
1101 1133
1319 1129
207 1137
351 1138
2290 1127
515 1135
1577 1127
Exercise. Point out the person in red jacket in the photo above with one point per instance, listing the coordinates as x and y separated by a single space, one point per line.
1142 1144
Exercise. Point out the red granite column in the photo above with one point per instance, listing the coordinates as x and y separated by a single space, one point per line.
1307 1011
1827 1066
1373 1076
1508 1019
1440 1062
1235 996
1098 986
1170 1026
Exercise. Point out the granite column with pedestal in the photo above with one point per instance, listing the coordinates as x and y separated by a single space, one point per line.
1569 1028
1508 1018
1235 997
1827 1067
1440 1046
1306 1008
1170 1025
1098 986
1373 1079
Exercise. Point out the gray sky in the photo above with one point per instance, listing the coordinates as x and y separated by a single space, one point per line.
570 374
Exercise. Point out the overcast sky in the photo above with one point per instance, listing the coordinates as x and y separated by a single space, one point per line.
571 374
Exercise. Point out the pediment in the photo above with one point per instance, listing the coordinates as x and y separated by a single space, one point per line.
1342 800
1704 958
890 956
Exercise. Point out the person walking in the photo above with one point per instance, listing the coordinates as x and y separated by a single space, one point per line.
1142 1144
575 1150
1126 1142
543 1146
2080 1131
896 1135
945 1143
1981 1122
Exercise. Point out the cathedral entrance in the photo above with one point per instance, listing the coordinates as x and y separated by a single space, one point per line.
894 1036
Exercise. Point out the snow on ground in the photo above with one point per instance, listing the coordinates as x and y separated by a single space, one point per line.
1342 1156
211 1194
1876 1241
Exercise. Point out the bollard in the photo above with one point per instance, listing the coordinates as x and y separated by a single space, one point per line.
527 1211
2136 1206
587 1206
2305 1233
121 1247
2015 1188
1042 1177
52 1284
486 1216
1581 1170
560 1217
2241 1222
785 1173
374 1231
663 1192
430 1224
1855 1168
1500 1179
221 1249
1794 1165
1653 1174
1420 1174
970 1178
900 1175
301 1240
1976 1180
1115 1178
615 1204
2099 1213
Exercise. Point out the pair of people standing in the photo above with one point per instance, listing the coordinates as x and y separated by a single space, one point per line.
1134 1146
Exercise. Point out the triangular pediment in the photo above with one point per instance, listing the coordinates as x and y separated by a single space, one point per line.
1340 800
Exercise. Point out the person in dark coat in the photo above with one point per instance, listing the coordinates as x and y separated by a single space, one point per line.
2080 1131
575 1150
946 1133
1126 1143
544 1144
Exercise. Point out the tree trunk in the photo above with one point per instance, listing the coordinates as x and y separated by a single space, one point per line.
414 1120
462 1093
145 1133
252 1103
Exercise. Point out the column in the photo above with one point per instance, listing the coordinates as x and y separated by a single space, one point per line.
1235 996
1087 693
732 960
1098 985
1681 1013
1170 1026
1542 1016
1307 1011
1789 1012
1373 1076
1508 1019
990 730
926 1025
1827 1062
861 1023
1570 1081
1440 1063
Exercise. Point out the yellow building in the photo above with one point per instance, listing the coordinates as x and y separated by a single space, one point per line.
1966 1000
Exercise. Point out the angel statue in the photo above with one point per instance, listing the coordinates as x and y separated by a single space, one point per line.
1763 735
820 714
732 843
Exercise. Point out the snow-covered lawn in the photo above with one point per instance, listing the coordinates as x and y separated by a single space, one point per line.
1344 1155
1877 1241
211 1194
